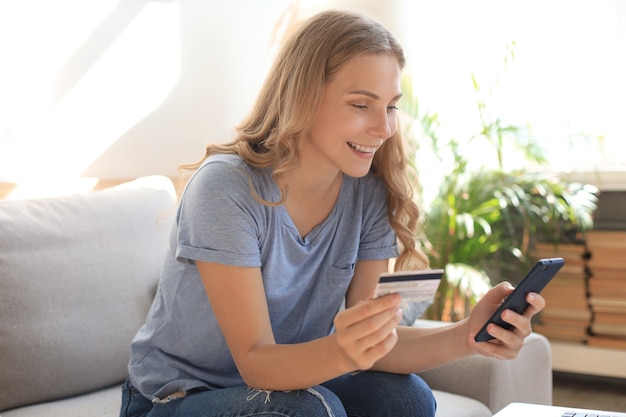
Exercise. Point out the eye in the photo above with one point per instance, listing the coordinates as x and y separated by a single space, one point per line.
359 106
392 108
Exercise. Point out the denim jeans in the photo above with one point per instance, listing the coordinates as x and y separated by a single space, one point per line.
366 394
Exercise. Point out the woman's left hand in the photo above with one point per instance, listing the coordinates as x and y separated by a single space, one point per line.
507 343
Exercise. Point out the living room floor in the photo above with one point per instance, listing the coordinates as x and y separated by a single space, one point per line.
570 390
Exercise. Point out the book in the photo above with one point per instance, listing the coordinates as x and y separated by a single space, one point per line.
568 251
609 324
608 329
564 284
605 239
607 301
610 319
560 321
607 249
575 256
607 304
607 342
608 273
608 260
599 308
562 332
566 313
607 287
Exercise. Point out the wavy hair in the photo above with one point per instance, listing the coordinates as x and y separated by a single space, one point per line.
268 136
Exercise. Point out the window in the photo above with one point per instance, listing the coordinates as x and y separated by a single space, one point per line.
566 81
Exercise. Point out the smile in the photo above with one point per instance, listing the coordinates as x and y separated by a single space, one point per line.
361 148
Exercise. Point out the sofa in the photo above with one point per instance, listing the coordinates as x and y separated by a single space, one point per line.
77 276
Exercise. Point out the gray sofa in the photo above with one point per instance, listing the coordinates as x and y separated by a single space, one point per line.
77 275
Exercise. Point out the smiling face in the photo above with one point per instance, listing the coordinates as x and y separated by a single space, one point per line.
356 115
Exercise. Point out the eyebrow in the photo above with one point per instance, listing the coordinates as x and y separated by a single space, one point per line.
372 95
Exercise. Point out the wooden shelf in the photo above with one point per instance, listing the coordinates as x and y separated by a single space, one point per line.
588 360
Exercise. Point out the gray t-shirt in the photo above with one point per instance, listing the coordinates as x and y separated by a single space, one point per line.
306 278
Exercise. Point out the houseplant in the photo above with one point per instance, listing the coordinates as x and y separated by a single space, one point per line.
481 219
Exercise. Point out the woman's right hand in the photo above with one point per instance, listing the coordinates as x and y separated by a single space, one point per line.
366 332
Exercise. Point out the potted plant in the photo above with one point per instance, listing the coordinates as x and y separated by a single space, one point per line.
480 219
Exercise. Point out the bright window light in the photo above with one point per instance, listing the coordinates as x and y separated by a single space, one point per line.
567 79
78 80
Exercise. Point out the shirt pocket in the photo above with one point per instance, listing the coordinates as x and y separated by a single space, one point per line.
340 275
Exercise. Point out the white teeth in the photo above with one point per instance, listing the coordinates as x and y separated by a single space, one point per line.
364 149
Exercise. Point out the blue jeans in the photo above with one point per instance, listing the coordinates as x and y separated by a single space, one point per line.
366 394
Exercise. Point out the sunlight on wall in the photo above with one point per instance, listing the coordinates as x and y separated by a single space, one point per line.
136 65
122 88
130 81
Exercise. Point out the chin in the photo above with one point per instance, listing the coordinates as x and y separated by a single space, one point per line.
357 172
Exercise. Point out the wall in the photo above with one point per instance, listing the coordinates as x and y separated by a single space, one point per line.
131 87
122 88
126 88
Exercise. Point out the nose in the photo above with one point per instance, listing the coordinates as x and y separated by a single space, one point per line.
382 124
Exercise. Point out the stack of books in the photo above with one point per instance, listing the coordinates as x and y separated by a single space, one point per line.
607 288
567 316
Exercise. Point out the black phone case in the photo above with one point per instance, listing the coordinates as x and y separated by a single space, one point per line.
535 280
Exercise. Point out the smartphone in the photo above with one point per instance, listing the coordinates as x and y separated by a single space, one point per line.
534 281
413 286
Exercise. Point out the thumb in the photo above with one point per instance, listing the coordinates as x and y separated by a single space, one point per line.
498 293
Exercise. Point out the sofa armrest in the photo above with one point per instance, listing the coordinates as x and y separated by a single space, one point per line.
495 382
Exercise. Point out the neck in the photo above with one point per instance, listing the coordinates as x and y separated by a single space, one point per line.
312 177
310 199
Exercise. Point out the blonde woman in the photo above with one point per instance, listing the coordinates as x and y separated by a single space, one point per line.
278 229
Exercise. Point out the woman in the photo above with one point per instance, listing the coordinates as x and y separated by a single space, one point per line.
301 213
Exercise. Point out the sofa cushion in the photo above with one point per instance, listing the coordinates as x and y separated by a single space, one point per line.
452 405
102 403
77 277
106 403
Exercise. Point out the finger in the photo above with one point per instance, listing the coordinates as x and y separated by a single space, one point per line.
521 327
353 327
367 341
498 293
379 343
493 349
367 358
382 348
373 330
513 337
378 328
521 323
367 308
536 304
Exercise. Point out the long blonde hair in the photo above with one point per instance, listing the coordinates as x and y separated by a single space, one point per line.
288 101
